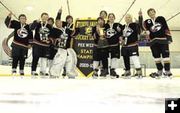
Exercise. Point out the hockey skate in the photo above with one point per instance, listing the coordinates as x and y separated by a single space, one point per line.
126 74
156 75
21 72
43 74
104 73
34 74
13 73
64 73
138 74
167 74
95 74
113 74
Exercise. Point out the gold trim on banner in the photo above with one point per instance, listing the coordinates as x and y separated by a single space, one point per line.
72 42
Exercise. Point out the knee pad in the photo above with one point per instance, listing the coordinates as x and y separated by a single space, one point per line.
43 64
157 60
58 62
166 60
115 63
72 55
96 64
136 61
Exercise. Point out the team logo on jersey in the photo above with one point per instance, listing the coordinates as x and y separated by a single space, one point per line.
22 33
44 32
64 34
156 27
127 32
149 21
61 42
110 32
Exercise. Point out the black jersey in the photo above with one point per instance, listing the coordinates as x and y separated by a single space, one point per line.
158 29
61 37
112 33
130 33
42 31
22 33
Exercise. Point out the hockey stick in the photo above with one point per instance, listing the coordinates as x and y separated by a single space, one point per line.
68 7
127 10
173 16
8 9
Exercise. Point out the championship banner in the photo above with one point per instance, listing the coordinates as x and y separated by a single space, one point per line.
83 45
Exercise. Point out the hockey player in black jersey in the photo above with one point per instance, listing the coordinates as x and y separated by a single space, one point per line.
21 42
103 14
129 48
100 51
41 42
65 56
113 32
65 24
51 21
43 62
160 38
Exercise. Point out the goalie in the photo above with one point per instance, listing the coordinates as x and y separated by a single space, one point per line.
65 56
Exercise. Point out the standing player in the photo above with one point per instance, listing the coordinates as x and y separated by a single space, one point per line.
44 63
68 24
129 48
113 33
160 38
21 41
103 14
65 56
41 42
100 52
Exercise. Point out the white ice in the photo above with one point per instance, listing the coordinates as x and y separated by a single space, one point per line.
27 95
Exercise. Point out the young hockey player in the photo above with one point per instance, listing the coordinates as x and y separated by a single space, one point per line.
113 33
160 38
129 48
44 63
21 42
68 24
41 43
65 56
103 14
100 52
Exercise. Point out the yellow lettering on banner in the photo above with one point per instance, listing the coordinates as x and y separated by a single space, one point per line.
82 24
84 37
93 23
86 23
85 57
85 51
